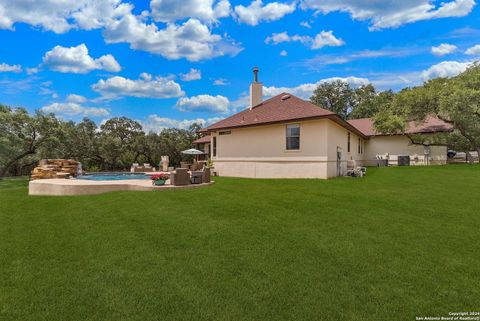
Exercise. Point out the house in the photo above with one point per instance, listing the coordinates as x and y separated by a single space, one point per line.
381 145
287 137
203 144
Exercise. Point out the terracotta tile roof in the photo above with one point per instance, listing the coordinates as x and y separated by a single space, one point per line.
202 140
431 125
281 108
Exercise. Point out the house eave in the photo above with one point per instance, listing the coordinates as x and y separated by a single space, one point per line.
337 119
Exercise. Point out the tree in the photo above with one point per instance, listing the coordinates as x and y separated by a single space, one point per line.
21 135
454 100
368 101
195 127
118 141
339 97
173 140
122 128
336 96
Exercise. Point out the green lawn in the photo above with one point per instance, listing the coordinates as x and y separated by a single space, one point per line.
400 243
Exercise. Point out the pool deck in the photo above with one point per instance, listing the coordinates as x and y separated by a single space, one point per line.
64 187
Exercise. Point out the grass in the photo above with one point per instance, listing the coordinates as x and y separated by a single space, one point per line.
399 243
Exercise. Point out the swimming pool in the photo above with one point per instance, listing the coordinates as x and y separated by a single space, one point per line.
113 176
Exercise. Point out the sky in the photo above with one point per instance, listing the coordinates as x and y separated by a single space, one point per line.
169 63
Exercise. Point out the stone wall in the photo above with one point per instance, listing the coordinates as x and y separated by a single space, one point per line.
55 168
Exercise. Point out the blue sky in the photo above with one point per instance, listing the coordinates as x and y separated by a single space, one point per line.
168 63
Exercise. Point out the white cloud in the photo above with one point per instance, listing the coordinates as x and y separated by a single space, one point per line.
283 53
204 103
445 69
193 74
475 50
277 38
220 82
319 61
394 13
156 123
145 86
74 98
61 16
205 10
74 109
326 38
305 24
77 60
33 70
191 40
305 91
443 49
46 90
256 12
10 68
392 80
322 39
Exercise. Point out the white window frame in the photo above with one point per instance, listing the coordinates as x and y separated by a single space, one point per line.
299 137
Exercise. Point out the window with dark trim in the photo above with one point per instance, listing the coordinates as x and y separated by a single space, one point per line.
214 147
359 145
293 137
226 132
348 143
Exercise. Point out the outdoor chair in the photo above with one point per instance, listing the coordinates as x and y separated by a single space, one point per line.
196 177
148 168
195 166
180 177
134 167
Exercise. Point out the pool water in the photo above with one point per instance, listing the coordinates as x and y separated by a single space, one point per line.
113 176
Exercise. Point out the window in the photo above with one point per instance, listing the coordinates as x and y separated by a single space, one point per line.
227 132
348 143
214 147
359 146
293 137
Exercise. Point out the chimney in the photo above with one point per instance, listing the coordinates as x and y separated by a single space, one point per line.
256 90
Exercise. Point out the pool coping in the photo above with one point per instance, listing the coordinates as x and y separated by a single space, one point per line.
70 187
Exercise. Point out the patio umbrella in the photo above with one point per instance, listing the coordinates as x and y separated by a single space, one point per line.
193 151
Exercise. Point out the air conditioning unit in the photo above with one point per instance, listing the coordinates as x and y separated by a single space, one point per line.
403 160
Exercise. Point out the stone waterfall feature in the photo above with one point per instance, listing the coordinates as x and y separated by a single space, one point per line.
56 168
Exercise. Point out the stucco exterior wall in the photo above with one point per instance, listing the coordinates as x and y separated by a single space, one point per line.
269 141
401 145
337 140
272 169
261 152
